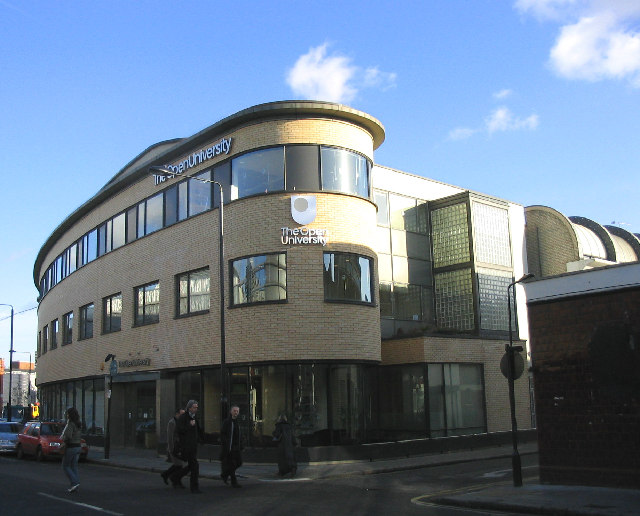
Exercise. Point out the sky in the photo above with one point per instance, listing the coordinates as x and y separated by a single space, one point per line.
532 101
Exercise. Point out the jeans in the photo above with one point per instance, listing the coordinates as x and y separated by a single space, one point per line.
70 464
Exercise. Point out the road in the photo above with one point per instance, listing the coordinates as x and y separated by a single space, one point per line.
29 487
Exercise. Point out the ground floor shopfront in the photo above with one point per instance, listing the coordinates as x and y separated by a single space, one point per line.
328 403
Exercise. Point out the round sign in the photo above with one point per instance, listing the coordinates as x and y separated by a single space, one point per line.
518 365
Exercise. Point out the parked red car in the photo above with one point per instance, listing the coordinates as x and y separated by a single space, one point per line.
42 439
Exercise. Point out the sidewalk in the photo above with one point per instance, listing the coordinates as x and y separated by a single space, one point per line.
532 498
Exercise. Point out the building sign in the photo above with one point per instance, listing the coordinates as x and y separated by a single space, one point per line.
304 236
303 208
222 147
137 362
303 211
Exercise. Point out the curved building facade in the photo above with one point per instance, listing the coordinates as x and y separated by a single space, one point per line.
339 293
557 244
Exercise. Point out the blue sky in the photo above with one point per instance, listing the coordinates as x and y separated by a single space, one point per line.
534 101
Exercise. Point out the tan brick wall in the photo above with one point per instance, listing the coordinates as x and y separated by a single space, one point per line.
304 328
478 351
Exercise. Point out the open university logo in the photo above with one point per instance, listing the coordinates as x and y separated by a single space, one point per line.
303 208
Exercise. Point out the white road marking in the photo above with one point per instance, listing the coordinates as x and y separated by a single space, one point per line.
80 504
503 472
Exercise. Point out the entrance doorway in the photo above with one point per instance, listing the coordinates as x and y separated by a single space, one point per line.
140 415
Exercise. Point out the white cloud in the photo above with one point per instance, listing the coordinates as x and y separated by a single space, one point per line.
502 119
499 120
548 9
319 76
502 94
375 78
596 41
461 133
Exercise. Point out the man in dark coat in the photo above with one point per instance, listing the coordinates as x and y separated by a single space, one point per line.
173 454
230 458
286 444
189 434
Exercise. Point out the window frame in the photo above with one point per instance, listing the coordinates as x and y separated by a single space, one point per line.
178 298
146 319
110 318
82 326
372 279
55 328
232 284
67 328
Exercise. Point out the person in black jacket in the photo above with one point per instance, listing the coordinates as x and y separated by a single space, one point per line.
189 435
230 458
173 450
283 434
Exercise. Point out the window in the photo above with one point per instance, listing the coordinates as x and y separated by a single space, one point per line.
86 322
119 233
259 279
89 247
450 235
45 339
492 287
347 277
55 326
491 234
154 214
454 300
200 194
67 328
112 313
193 292
132 216
302 167
147 299
380 198
344 171
257 173
456 399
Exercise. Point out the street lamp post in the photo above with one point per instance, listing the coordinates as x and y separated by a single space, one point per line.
516 465
10 363
224 399
113 370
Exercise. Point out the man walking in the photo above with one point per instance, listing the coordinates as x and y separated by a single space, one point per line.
189 434
230 458
173 450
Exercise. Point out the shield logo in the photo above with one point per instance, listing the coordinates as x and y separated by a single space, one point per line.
303 208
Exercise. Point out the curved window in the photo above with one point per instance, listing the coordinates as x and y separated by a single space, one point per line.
308 168
347 278
344 171
259 279
257 173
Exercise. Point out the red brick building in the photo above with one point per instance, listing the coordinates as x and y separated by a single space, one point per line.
585 350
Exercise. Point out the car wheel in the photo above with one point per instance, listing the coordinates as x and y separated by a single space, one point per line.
20 452
39 454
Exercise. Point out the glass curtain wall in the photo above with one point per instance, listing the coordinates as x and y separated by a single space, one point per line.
404 265
86 395
415 401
